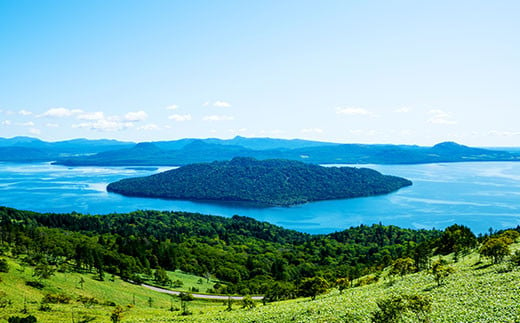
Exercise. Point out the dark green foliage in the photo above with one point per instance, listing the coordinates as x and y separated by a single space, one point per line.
248 303
271 182
496 248
313 287
56 298
44 271
249 256
440 271
515 258
402 308
160 277
35 284
403 266
117 314
456 238
342 284
17 319
4 300
4 266
278 291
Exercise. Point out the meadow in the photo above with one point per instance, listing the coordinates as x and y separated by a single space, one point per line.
477 291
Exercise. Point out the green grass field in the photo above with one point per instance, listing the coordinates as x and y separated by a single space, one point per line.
475 292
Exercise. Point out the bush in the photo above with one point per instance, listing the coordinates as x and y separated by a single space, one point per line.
17 319
515 258
56 299
496 248
399 308
4 266
35 284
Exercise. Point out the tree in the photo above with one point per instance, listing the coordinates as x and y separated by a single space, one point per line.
398 307
117 314
43 271
161 277
4 266
496 248
313 287
342 284
247 302
403 266
440 271
456 238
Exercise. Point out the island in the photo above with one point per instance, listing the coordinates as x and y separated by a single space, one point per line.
272 182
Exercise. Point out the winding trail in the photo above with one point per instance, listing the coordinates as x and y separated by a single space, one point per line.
201 296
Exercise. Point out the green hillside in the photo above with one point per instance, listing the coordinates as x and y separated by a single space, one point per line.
268 182
477 291
73 267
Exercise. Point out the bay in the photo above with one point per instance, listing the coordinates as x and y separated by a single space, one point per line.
481 195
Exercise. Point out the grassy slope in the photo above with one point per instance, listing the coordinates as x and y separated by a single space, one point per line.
118 291
476 292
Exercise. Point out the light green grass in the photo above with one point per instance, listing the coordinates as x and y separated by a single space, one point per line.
476 292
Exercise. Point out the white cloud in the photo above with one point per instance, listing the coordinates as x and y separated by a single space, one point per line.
104 125
52 125
149 127
26 124
180 117
92 116
172 107
403 110
6 123
24 113
272 132
60 112
218 118
136 116
363 132
504 133
34 131
221 104
205 104
440 117
312 130
235 131
353 111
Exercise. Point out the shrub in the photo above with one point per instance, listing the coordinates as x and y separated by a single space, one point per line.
440 271
4 266
17 319
515 258
399 307
35 284
496 248
56 299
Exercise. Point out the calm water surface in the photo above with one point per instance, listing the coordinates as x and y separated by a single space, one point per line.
479 195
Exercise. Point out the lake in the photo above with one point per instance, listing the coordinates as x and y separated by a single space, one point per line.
480 195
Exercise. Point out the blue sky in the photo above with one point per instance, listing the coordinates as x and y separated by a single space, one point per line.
414 72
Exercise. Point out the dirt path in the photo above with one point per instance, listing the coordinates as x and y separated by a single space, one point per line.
201 296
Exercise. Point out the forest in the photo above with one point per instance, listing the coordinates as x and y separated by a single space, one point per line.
267 182
248 256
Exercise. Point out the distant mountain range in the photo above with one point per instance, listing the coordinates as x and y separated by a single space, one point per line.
84 152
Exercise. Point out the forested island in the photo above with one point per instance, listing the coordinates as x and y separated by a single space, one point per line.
267 182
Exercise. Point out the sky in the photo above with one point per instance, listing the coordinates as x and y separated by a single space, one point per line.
388 71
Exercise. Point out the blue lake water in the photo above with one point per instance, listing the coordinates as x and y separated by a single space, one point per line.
479 195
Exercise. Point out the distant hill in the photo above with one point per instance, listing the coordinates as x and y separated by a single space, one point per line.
269 182
103 152
196 150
